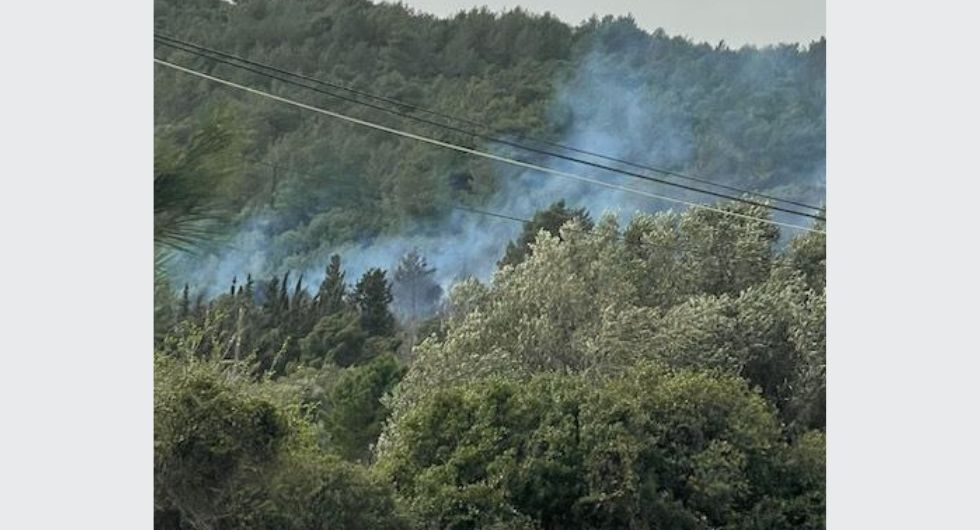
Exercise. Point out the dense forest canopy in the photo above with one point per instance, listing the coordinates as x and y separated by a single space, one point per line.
307 187
669 373
339 345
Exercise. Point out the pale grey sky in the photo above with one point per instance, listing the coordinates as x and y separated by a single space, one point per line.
738 22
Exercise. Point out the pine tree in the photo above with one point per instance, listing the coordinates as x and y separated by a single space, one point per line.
550 220
372 296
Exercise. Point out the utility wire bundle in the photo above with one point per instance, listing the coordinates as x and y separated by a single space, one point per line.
404 110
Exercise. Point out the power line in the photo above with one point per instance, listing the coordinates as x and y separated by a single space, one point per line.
490 138
470 151
475 152
204 53
443 115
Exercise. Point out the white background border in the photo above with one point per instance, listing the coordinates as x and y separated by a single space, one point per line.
76 215
902 276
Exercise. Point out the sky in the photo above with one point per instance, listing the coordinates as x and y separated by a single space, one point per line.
737 22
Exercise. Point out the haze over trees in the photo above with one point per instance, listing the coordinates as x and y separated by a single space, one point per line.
661 369
306 186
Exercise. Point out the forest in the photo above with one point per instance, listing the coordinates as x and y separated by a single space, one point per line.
345 338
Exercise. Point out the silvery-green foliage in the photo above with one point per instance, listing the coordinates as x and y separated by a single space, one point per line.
540 315
464 297
687 290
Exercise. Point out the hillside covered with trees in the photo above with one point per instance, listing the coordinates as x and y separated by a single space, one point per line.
337 345
303 187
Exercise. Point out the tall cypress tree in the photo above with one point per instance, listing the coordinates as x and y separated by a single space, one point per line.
185 302
270 301
249 288
300 316
372 296
284 294
297 290
200 306
333 289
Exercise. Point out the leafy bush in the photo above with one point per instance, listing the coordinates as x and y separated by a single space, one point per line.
653 449
230 453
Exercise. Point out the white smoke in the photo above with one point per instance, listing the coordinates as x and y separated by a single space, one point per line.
604 106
